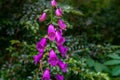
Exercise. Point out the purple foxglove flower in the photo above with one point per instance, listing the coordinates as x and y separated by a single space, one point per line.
58 12
62 66
53 59
46 75
37 58
61 24
59 77
53 3
63 50
42 17
59 39
60 31
41 45
51 32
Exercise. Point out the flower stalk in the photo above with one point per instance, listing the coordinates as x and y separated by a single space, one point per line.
55 33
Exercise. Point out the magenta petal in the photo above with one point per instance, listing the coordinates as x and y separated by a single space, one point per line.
59 77
46 75
59 39
58 12
51 32
63 50
61 24
53 59
42 17
37 58
62 66
53 3
41 45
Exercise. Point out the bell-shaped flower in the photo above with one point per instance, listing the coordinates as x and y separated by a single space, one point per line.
61 24
41 45
63 50
62 66
37 58
58 12
59 77
42 17
59 39
46 75
51 32
53 3
53 59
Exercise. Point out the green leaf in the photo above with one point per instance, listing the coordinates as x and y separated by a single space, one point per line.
112 62
14 41
114 56
100 67
77 12
116 71
90 62
68 9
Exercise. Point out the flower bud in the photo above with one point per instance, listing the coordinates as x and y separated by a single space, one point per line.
42 17
53 3
58 12
61 24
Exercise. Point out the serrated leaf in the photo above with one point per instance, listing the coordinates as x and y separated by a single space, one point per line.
112 62
116 71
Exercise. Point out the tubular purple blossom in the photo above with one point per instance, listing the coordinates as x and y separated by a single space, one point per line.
60 31
53 59
59 77
41 45
63 50
42 17
53 3
61 24
59 39
62 66
37 58
58 12
46 75
51 32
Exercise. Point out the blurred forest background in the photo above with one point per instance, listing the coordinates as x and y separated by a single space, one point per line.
92 36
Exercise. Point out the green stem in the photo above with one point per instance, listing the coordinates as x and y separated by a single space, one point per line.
35 77
51 14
